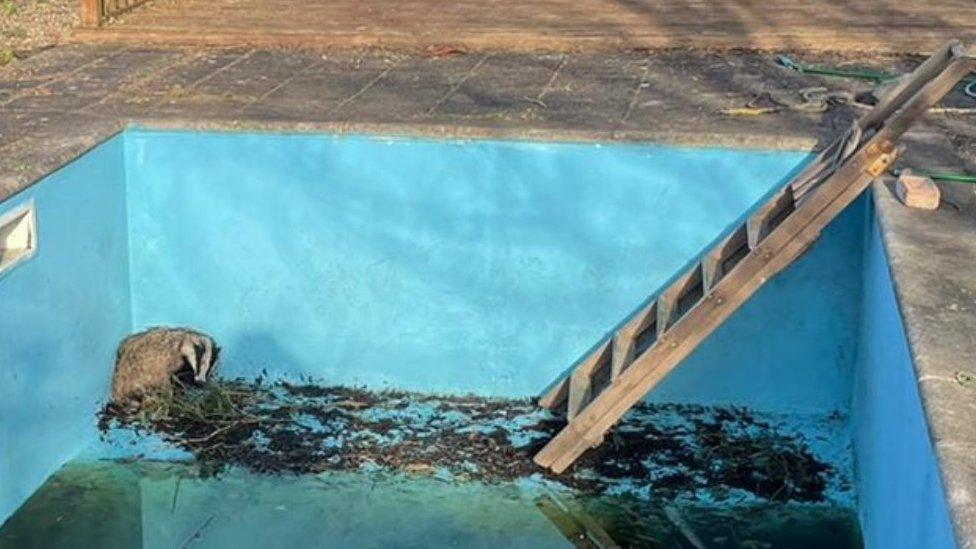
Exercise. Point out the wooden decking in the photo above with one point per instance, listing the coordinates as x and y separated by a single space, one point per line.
533 25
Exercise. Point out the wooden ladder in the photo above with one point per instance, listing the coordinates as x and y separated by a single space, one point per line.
623 368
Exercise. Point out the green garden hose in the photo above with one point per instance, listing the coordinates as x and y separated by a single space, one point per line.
970 90
786 62
942 176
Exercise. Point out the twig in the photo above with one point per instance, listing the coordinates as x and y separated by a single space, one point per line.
205 449
196 534
350 404
534 101
176 494
223 429
689 535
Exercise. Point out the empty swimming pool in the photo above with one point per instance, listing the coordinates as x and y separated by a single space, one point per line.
452 279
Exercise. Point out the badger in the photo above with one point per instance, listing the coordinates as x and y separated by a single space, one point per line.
151 362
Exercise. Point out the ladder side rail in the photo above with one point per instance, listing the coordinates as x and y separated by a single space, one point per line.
937 63
902 92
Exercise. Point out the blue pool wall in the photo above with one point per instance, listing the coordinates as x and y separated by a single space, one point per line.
469 267
63 312
902 503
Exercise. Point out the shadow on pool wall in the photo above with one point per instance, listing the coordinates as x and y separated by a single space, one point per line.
901 501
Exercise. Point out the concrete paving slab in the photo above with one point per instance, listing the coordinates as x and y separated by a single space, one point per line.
502 86
411 90
959 475
320 91
592 91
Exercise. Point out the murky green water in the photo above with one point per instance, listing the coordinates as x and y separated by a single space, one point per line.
167 505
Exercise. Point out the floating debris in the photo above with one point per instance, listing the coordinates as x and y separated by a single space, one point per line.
674 450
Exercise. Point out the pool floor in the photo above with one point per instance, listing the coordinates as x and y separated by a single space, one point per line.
332 466
168 505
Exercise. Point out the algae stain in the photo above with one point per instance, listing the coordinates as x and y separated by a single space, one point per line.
81 506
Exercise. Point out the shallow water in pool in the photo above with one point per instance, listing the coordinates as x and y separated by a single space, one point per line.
109 504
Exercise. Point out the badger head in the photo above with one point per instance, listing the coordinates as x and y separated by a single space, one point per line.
201 354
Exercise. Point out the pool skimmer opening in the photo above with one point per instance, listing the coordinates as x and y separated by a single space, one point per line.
18 236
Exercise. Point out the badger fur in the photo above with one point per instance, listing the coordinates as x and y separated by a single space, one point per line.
148 363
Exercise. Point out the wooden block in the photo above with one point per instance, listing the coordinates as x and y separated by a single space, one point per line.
916 191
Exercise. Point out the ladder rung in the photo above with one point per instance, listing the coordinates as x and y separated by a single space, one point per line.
693 293
642 326
581 380
724 257
646 339
625 340
557 395
624 347
679 298
769 216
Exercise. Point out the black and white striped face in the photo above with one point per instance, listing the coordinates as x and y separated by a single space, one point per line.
201 354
